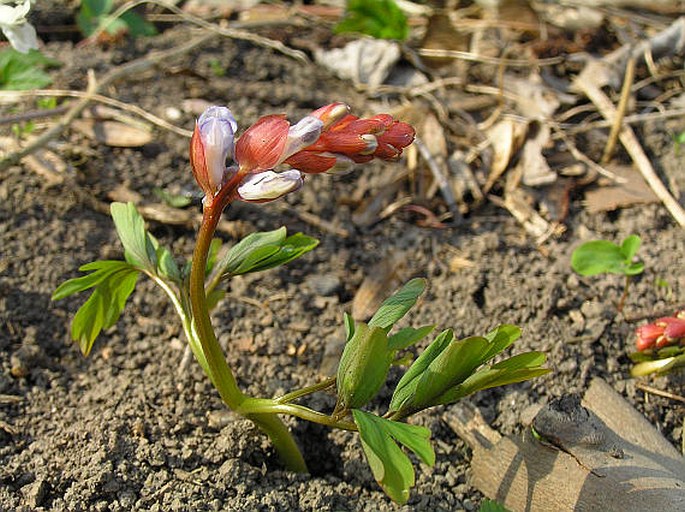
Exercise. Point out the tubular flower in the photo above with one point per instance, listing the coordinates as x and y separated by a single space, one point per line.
325 140
662 332
210 146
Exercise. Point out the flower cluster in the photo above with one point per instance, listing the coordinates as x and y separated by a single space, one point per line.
328 139
20 33
662 332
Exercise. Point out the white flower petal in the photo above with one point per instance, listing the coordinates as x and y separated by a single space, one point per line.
21 37
269 185
305 133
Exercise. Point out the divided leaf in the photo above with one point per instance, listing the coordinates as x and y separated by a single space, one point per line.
114 281
390 465
448 370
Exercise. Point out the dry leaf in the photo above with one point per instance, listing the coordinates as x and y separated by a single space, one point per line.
364 61
442 35
505 138
631 192
535 170
112 133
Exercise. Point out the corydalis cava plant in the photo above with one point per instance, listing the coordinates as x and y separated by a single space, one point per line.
273 158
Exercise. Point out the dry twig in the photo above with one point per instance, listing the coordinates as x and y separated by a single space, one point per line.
620 112
659 392
131 68
633 147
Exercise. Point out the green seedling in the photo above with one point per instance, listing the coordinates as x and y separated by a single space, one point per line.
96 15
381 19
602 257
24 71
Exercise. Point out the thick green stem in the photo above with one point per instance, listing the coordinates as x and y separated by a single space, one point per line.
219 371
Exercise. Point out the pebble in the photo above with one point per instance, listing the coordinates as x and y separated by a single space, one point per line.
219 419
324 284
35 492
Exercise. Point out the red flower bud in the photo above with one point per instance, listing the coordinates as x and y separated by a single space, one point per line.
262 145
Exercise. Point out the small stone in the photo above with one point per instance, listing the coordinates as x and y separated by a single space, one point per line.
35 492
219 419
172 113
324 285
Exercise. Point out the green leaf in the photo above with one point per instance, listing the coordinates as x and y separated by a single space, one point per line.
214 297
601 256
363 367
629 247
240 251
491 506
516 369
390 465
265 250
103 308
349 326
500 338
452 366
214 247
23 71
166 265
396 306
99 271
406 387
138 245
597 257
381 19
137 25
173 200
408 336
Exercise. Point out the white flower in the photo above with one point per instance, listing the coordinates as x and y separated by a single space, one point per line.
269 185
19 32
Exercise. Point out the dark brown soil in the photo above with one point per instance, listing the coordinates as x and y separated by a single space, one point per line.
126 430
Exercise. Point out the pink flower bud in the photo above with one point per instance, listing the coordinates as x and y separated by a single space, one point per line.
261 146
269 185
210 146
331 113
647 336
662 332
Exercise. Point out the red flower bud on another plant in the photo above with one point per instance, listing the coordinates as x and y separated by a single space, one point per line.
662 332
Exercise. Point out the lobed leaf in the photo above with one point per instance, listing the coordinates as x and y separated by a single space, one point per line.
103 308
390 466
100 270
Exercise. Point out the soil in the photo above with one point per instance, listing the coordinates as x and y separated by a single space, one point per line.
128 429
